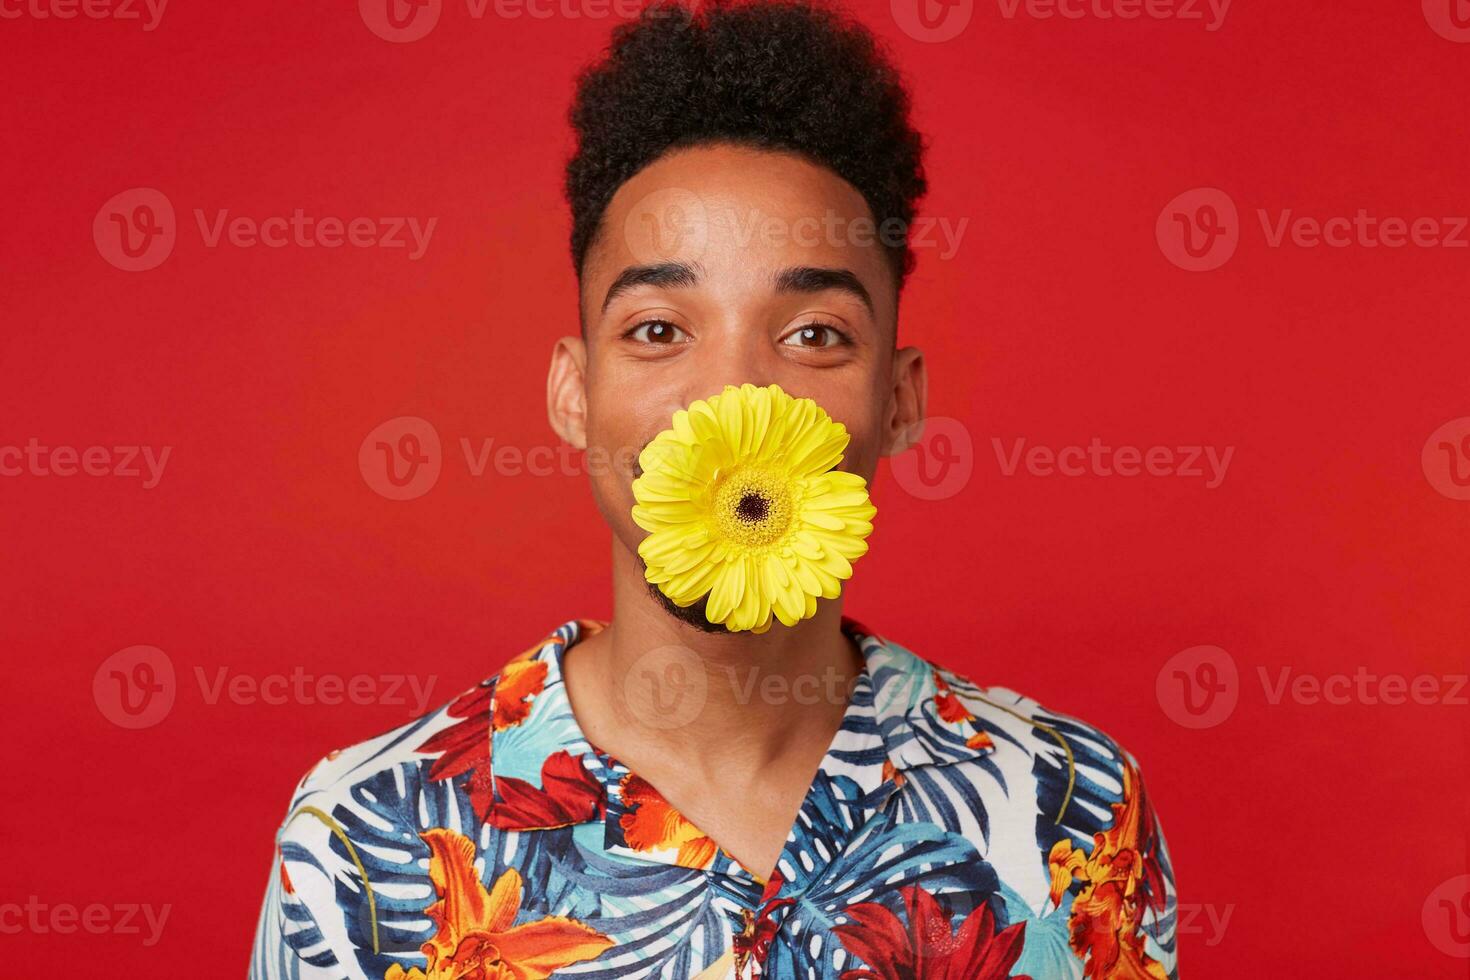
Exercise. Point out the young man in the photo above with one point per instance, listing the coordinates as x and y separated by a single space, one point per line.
658 796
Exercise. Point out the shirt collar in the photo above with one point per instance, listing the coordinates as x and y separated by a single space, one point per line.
545 774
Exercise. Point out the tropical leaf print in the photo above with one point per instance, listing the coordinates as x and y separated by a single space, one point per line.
951 831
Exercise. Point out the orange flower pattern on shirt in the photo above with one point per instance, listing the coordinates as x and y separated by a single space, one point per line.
1120 879
952 710
950 832
652 824
476 938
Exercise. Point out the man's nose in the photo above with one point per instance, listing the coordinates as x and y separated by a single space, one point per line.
743 360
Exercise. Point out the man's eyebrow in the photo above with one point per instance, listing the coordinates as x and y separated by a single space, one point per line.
814 279
661 274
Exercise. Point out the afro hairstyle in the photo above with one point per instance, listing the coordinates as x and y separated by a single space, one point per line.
780 75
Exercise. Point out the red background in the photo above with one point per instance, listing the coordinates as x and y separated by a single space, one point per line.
1323 828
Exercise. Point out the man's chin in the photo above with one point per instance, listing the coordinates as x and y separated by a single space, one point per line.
690 615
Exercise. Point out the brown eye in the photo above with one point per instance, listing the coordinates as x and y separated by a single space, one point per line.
657 332
815 335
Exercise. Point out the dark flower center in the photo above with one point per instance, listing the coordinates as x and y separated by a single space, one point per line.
752 508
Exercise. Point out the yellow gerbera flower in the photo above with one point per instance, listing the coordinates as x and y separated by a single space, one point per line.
742 504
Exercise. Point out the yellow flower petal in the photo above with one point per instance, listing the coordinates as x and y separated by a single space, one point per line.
744 509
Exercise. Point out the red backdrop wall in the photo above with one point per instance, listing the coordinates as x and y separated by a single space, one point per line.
1318 826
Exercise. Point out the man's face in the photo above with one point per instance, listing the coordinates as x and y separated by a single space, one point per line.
720 265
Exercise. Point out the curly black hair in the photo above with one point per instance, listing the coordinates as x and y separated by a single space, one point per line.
782 75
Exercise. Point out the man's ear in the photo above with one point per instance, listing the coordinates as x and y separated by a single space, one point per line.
908 403
566 391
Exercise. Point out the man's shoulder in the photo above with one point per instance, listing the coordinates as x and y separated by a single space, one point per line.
1061 777
333 777
1001 708
452 738
947 695
1073 762
346 822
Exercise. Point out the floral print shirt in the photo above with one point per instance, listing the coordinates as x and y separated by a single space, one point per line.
951 832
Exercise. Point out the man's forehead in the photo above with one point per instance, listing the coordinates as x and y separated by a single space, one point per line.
738 218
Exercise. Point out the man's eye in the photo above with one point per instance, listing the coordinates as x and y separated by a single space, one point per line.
815 335
657 332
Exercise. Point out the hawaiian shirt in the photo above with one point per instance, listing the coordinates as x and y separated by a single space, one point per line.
951 832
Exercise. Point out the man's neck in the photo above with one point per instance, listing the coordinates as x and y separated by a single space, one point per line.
661 688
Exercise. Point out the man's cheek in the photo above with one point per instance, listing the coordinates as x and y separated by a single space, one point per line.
860 456
626 461
604 462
